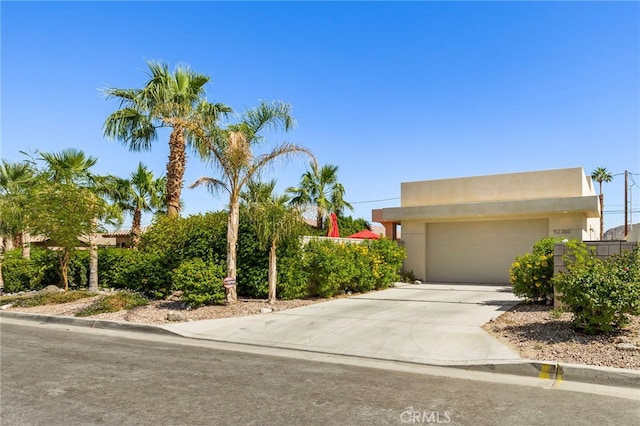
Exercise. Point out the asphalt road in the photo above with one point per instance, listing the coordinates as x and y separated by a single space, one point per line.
65 375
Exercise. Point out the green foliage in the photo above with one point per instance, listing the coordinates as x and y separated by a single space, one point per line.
407 276
21 275
347 225
199 281
115 266
601 294
292 278
55 298
373 264
114 303
531 274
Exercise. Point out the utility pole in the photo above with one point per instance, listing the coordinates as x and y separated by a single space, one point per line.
626 203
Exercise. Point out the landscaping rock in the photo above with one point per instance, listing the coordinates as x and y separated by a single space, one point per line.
626 347
265 310
7 306
50 289
175 316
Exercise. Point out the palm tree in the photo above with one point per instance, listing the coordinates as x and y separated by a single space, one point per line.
140 193
173 100
16 180
273 221
72 167
601 174
230 152
319 188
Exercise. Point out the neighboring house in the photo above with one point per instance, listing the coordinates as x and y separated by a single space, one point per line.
123 236
83 241
471 229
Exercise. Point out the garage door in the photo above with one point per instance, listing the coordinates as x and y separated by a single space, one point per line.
479 252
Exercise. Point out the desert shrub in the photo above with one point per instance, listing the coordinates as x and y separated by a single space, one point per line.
21 275
55 298
601 294
150 274
292 277
115 267
114 303
531 274
199 281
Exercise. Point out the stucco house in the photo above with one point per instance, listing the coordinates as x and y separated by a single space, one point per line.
471 229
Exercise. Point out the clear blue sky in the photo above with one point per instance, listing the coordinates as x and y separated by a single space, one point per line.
389 92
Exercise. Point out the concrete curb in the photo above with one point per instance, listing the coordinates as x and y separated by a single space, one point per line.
608 376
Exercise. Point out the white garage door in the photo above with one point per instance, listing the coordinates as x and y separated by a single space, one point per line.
479 252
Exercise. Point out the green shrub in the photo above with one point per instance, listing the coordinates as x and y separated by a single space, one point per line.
199 281
116 267
601 294
21 275
292 278
531 274
114 303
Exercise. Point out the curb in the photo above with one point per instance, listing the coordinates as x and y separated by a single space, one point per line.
88 322
608 376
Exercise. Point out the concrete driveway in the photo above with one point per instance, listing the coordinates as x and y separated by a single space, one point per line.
425 323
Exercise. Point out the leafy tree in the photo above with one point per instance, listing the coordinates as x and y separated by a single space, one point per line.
174 100
140 193
601 174
273 221
319 188
72 167
230 152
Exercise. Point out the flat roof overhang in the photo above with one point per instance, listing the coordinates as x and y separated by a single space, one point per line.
587 205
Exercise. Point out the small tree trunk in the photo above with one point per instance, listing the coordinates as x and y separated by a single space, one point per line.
26 244
273 272
64 268
3 249
232 246
93 262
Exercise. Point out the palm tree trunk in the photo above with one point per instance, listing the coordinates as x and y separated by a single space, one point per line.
175 169
136 228
3 249
232 245
93 259
25 238
601 198
273 272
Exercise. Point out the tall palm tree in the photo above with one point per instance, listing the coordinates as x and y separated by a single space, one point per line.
230 152
73 167
273 221
172 100
16 181
140 193
319 188
601 174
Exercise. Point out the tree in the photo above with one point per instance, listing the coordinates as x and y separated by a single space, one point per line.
230 152
173 100
319 188
16 181
273 221
601 174
140 193
71 168
62 211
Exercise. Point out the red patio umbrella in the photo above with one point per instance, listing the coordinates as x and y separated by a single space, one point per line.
333 226
365 235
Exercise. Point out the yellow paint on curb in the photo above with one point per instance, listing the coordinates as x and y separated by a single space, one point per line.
545 371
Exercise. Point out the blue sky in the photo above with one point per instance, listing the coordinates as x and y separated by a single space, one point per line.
388 91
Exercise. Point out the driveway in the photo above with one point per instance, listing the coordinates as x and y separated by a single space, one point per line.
425 323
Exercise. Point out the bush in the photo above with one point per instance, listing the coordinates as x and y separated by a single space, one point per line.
55 298
199 281
21 275
116 266
601 294
114 303
531 274
292 278
372 264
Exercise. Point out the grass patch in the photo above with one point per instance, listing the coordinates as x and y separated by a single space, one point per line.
53 298
114 303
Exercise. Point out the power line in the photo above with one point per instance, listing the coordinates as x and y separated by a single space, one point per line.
374 201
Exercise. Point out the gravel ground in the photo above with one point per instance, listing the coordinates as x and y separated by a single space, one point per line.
529 329
536 334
